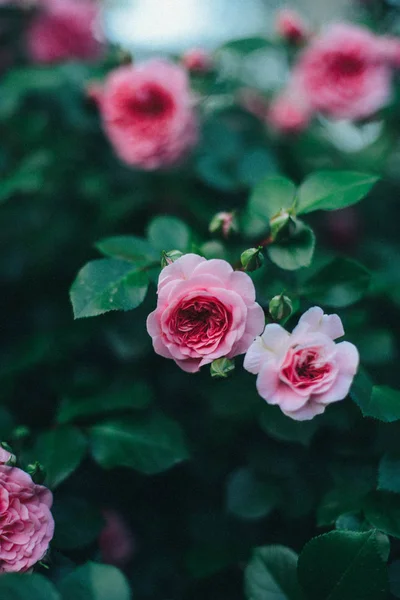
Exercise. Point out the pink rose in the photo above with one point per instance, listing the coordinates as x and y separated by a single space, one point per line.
26 523
304 371
197 60
289 113
205 310
116 541
5 456
148 113
63 30
389 48
291 26
342 73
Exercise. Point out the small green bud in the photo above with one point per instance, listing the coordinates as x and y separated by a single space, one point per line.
21 432
280 307
252 259
221 368
225 222
37 472
281 224
167 258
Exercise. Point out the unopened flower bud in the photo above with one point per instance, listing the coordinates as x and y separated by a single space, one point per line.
198 60
21 432
252 259
280 224
37 472
291 27
280 307
222 368
224 222
167 258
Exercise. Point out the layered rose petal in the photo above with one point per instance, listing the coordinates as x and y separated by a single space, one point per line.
303 372
26 523
148 114
205 310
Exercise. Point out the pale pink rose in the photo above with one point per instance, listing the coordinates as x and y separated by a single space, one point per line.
389 48
198 60
26 523
205 310
64 30
148 113
304 371
288 113
115 541
291 26
342 74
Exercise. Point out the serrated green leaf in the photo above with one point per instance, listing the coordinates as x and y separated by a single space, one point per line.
248 498
149 444
295 251
380 402
339 284
60 451
271 195
169 233
331 190
15 586
107 284
343 565
271 575
129 248
280 427
382 510
94 581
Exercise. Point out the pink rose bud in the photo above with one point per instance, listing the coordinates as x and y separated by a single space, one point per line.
116 540
205 310
26 523
304 371
64 30
198 60
288 114
224 222
5 456
342 75
291 27
148 114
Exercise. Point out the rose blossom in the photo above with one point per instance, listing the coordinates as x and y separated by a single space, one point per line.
288 113
291 26
342 73
63 30
389 48
148 113
198 60
115 541
5 456
26 523
205 310
304 371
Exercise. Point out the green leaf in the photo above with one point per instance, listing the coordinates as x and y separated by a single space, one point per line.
296 251
271 575
331 190
150 444
107 284
380 402
15 586
169 233
339 284
343 565
281 428
126 397
130 248
78 524
29 177
382 510
60 451
248 498
389 473
94 581
394 578
271 195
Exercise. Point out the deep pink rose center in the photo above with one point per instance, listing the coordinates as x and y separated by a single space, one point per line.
200 322
305 367
151 100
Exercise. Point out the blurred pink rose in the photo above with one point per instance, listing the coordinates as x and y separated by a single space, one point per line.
389 48
205 310
148 114
288 113
116 541
291 26
64 30
252 101
304 371
197 60
26 523
342 74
